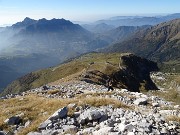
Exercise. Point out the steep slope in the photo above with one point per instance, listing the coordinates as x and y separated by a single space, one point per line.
115 35
160 43
7 75
122 33
125 70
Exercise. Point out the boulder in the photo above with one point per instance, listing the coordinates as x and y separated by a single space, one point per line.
103 131
44 125
69 128
73 105
14 120
131 133
128 127
176 107
164 131
50 132
27 123
88 131
2 133
94 115
155 104
89 115
34 133
61 113
140 101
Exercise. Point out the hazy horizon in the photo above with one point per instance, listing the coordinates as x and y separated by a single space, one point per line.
13 11
86 22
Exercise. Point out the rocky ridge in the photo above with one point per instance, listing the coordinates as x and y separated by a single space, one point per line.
141 115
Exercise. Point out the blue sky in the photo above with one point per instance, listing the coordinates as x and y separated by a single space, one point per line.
12 11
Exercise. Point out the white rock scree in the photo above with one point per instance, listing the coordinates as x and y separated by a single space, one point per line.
146 117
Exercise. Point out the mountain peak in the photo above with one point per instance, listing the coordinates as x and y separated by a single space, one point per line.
27 19
26 22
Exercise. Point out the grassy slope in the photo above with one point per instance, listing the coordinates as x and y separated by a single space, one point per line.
41 77
95 68
171 85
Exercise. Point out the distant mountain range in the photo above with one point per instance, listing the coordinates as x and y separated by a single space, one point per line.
98 28
102 26
137 20
160 43
35 44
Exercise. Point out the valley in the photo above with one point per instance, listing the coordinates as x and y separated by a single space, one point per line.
114 76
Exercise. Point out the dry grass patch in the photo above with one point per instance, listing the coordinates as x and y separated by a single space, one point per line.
170 95
52 92
99 101
38 109
33 108
173 118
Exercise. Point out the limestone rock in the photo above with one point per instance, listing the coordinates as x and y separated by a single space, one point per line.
34 133
2 133
61 113
155 104
14 120
69 128
103 131
140 101
88 115
44 125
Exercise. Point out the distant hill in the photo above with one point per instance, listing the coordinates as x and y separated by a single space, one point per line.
35 44
42 35
115 35
122 33
99 28
94 68
160 43
137 20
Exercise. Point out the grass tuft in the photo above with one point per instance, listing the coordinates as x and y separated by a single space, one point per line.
52 92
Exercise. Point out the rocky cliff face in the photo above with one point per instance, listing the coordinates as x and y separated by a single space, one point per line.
132 73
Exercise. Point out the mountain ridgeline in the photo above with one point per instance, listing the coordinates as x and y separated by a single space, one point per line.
160 43
35 44
125 70
138 20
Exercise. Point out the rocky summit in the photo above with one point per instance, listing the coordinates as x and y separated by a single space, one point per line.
81 108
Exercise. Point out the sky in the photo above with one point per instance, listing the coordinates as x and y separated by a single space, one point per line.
12 11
